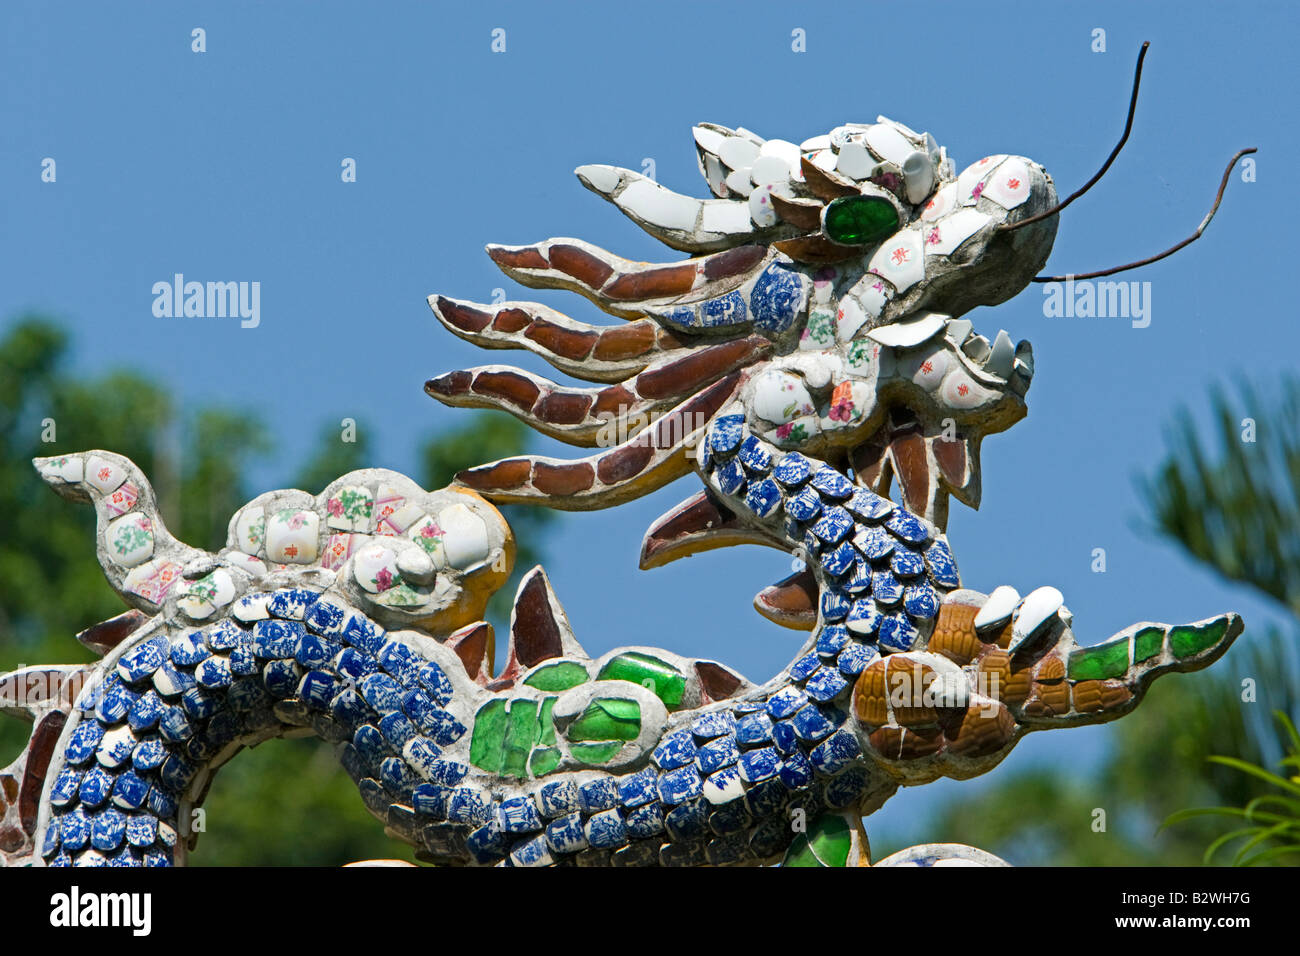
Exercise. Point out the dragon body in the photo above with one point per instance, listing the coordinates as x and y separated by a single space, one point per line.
810 363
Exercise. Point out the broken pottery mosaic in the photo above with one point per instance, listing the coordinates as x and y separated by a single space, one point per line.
808 367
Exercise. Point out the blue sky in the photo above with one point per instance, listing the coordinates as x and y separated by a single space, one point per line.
225 165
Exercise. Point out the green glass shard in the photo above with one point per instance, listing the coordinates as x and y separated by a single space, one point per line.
543 761
545 723
860 220
521 734
486 746
1100 662
831 839
1188 639
607 718
665 680
559 676
801 853
596 753
1147 643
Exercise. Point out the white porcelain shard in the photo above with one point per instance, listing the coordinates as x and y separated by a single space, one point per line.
709 140
761 209
781 148
824 159
739 182
768 170
1009 185
850 317
855 161
465 536
960 391
910 332
1039 607
779 397
968 183
927 369
997 609
918 176
738 152
888 143
726 216
941 202
901 260
815 143
901 127
1001 356
959 330
416 565
951 231
715 174
659 206
603 179
104 475
250 529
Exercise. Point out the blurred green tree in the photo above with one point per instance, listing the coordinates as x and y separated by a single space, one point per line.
286 802
1231 502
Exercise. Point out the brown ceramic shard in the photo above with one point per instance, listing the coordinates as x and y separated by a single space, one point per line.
791 602
870 696
12 839
475 646
868 463
655 283
954 634
508 386
682 376
614 400
511 320
569 343
525 257
534 632
563 408
825 185
912 468
624 462
563 480
625 342
462 315
669 340
106 635
511 473
39 751
581 265
733 262
716 681
815 249
981 732
951 459
802 213
452 383
917 742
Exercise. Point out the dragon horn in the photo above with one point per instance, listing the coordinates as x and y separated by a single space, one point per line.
140 557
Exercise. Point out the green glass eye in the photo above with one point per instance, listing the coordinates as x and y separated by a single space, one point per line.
860 220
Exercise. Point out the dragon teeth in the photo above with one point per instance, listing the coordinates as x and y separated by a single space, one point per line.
1001 356
976 348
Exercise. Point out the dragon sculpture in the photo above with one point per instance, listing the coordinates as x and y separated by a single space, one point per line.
807 361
